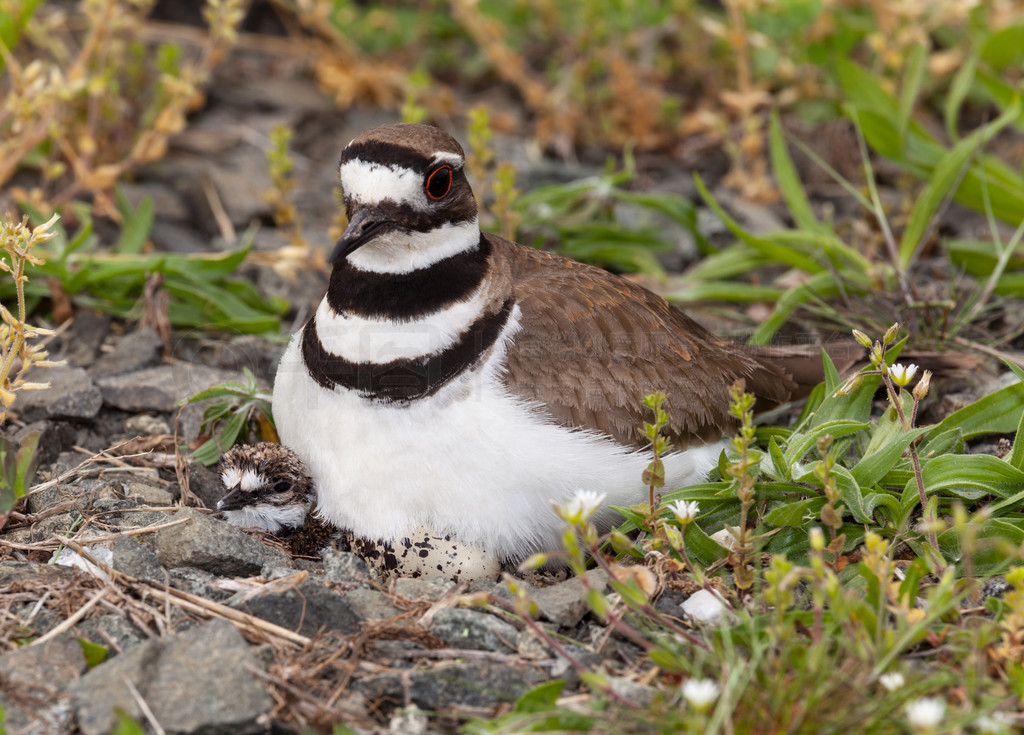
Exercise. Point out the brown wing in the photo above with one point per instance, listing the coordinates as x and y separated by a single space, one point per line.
592 345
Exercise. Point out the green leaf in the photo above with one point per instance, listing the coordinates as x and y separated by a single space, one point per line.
913 75
700 546
777 252
820 285
996 413
879 458
802 443
794 514
789 181
862 89
126 724
1016 458
541 698
12 23
971 474
137 223
25 462
943 182
958 90
1004 48
94 653
782 469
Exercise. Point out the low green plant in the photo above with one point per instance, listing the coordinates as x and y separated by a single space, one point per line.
238 413
584 220
17 468
844 553
88 100
202 290
19 250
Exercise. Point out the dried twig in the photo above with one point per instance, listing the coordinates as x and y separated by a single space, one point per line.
73 620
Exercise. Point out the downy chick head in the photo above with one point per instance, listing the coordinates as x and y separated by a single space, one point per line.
265 486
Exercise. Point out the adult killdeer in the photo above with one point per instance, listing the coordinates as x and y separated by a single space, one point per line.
459 382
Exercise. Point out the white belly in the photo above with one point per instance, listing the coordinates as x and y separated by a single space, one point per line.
471 461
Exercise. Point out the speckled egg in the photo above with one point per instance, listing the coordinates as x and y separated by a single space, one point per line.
425 554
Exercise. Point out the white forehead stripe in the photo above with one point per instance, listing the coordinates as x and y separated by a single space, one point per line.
251 481
230 477
372 183
454 159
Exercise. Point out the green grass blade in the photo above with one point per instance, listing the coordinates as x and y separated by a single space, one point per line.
958 89
943 181
788 180
780 254
913 75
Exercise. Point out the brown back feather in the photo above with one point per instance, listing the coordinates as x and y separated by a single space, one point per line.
592 345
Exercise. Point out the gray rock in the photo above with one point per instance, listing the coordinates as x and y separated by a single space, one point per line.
635 692
474 630
240 179
371 604
418 588
133 352
172 237
306 609
344 567
16 575
205 484
80 344
159 388
199 583
136 559
41 673
566 603
167 204
148 493
71 394
114 632
55 437
446 686
256 353
212 546
144 424
198 681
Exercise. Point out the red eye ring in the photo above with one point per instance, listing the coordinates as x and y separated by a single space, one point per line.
439 182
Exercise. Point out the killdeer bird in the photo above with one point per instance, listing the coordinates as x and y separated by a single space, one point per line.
455 381
267 487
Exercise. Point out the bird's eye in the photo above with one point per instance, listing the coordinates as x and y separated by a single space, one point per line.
439 182
282 487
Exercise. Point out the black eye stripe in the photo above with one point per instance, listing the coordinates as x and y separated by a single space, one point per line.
439 182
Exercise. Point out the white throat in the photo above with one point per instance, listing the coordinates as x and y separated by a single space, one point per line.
404 252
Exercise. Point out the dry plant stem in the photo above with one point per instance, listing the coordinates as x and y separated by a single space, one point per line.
915 461
647 610
245 622
561 650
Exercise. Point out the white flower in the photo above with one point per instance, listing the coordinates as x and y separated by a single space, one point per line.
700 693
580 507
996 723
926 713
891 681
902 374
685 510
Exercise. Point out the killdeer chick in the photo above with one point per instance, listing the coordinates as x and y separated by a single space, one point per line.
455 381
267 487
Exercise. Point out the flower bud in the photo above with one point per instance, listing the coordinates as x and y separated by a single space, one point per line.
921 389
862 338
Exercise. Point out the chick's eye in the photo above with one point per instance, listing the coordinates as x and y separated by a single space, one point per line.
282 487
439 182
